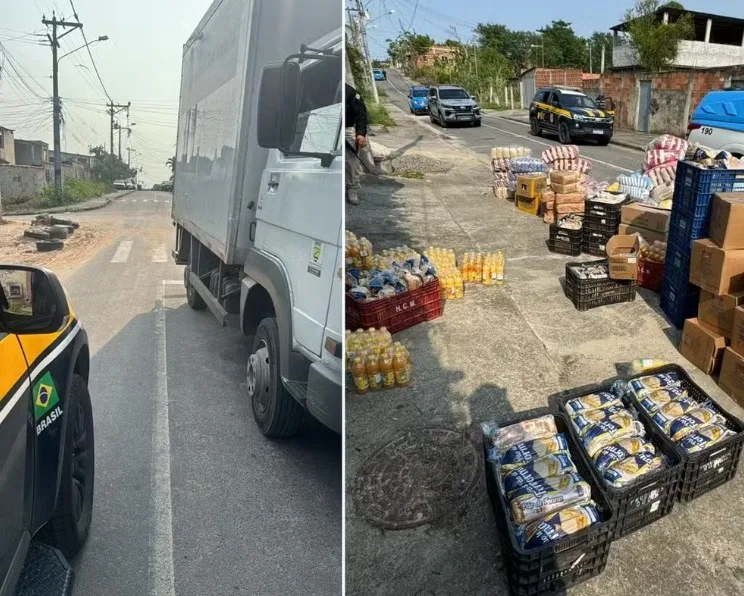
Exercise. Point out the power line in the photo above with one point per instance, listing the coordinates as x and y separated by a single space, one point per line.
413 16
87 47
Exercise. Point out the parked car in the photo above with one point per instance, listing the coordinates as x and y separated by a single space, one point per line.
571 115
120 184
46 433
449 104
379 74
417 100
718 122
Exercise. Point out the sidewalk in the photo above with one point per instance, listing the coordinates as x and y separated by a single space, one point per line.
624 138
89 205
499 352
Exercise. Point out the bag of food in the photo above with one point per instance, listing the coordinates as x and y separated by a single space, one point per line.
524 453
564 177
528 430
527 165
657 157
620 450
607 431
500 164
560 152
668 143
645 385
705 436
538 499
685 424
557 525
653 400
602 399
664 416
630 469
555 464
585 420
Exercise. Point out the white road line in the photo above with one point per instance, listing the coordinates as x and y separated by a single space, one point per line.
122 252
134 200
155 201
145 200
159 254
162 582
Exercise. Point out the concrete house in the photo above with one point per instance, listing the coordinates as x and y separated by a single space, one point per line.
31 153
7 146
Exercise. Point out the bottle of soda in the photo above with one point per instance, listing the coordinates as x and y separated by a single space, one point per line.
359 374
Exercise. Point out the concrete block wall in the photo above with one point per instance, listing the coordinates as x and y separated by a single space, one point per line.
21 182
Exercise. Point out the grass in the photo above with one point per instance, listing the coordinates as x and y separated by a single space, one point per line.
378 114
412 174
73 191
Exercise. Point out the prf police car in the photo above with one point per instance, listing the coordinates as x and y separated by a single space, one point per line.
569 114
46 433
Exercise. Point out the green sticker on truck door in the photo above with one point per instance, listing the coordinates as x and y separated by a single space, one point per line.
315 264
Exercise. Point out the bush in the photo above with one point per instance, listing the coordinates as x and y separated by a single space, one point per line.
73 191
378 114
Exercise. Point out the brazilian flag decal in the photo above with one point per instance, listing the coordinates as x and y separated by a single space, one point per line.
45 396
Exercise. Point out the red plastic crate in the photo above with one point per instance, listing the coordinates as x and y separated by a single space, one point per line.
650 275
397 313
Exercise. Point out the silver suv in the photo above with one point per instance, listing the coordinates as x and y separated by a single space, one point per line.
449 104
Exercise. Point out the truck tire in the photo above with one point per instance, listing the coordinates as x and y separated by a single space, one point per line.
36 234
275 410
58 232
68 527
49 245
62 221
193 299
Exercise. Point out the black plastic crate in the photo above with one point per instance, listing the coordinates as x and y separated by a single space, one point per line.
593 226
707 469
595 250
559 565
565 234
646 500
572 249
608 209
592 293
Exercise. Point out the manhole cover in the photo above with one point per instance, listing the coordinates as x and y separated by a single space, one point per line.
416 478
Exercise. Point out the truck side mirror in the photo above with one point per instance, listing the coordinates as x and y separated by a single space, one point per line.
32 300
278 105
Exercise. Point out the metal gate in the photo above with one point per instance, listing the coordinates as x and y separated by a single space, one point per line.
644 106
527 89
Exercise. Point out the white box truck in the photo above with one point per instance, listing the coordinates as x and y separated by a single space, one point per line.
257 197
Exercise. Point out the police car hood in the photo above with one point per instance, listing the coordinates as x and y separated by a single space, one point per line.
590 112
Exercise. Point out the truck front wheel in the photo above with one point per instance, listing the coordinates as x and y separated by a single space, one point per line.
70 522
275 410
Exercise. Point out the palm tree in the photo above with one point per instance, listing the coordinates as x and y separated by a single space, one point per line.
171 163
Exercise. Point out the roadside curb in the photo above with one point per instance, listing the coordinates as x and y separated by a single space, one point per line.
70 208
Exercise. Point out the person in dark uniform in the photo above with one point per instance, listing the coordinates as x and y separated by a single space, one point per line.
355 121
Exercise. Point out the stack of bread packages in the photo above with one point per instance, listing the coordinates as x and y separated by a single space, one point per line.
660 165
500 166
566 195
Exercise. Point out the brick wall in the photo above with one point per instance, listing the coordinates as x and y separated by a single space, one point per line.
565 77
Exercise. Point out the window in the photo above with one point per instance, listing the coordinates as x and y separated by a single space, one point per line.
542 96
418 92
2 140
453 94
432 93
552 99
319 107
578 101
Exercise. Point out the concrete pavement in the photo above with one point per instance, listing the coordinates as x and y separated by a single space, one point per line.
190 498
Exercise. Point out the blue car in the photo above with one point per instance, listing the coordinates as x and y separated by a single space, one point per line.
418 101
380 75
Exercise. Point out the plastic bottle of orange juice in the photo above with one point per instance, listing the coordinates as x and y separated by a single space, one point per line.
374 377
387 371
499 263
400 366
359 374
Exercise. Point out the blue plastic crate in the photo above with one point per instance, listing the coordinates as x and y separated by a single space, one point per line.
677 266
679 304
684 228
694 187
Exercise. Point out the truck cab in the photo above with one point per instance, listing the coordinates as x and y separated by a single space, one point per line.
46 434
259 222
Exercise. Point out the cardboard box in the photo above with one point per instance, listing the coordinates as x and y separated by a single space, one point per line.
701 346
727 220
547 196
717 312
528 204
649 218
732 375
648 235
737 331
564 177
531 185
716 270
566 208
547 207
574 198
569 188
622 253
549 217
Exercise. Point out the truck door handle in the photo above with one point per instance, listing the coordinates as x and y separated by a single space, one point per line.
273 182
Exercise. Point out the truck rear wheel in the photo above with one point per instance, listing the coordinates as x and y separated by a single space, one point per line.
68 527
193 299
275 410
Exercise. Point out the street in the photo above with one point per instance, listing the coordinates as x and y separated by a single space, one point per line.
495 131
190 498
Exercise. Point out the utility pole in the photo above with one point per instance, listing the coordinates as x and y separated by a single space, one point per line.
365 48
115 108
56 106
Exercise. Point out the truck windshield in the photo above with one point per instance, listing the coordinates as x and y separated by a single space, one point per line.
453 94
419 92
319 83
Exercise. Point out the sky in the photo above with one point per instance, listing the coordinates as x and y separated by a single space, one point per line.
141 63
437 17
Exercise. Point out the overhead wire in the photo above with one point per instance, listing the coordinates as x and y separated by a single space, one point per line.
90 54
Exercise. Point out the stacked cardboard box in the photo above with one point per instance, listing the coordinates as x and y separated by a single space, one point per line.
564 197
649 222
717 268
530 188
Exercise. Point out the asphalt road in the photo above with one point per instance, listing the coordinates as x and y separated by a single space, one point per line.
190 498
496 131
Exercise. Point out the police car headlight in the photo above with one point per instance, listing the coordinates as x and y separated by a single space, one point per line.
579 117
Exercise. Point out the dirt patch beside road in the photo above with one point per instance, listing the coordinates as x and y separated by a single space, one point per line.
81 245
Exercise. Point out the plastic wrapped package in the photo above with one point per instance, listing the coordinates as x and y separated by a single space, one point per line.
665 415
501 179
663 174
621 450
609 430
579 165
501 438
650 383
685 424
669 143
652 400
657 157
510 151
705 436
527 165
554 464
528 451
500 164
585 420
626 472
557 525
537 499
557 152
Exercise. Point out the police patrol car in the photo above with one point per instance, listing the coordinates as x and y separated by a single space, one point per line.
46 433
571 115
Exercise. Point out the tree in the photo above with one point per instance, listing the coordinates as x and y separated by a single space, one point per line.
562 47
515 46
171 163
656 43
107 167
596 41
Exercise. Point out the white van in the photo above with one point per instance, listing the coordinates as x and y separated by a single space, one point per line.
718 122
